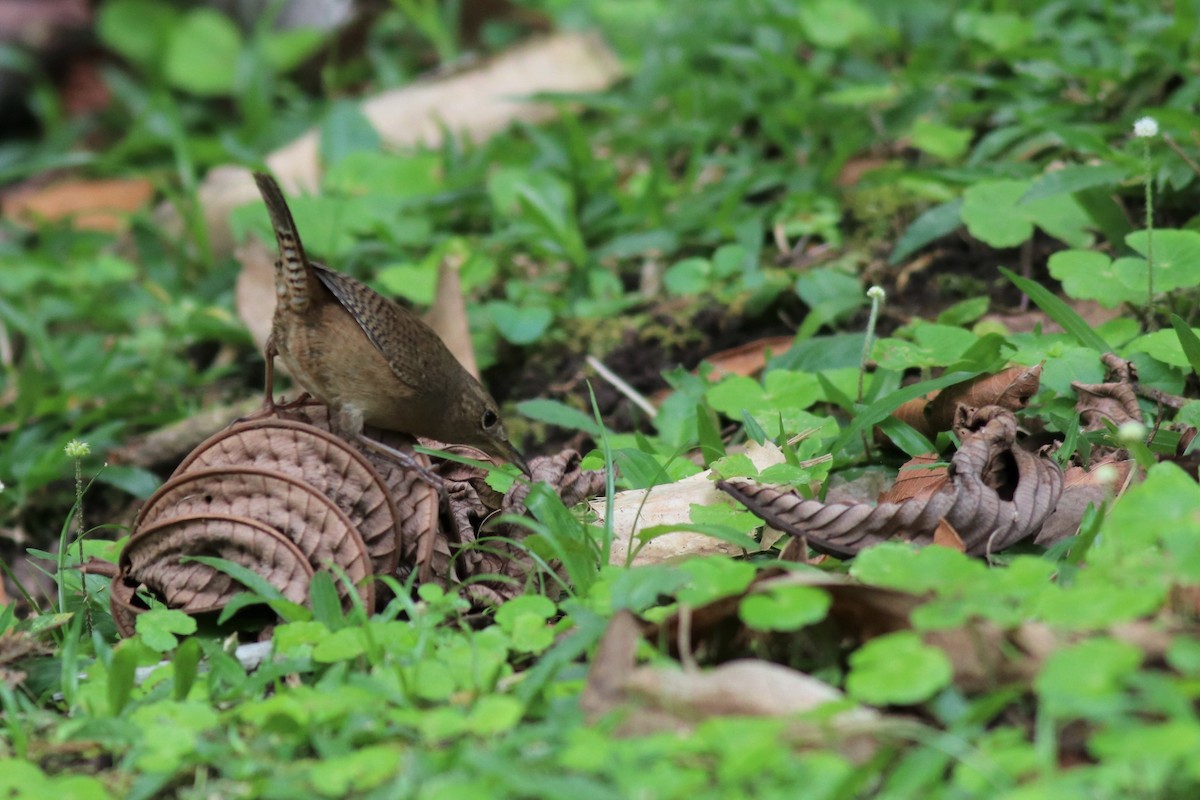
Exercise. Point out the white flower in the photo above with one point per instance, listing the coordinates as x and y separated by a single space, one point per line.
1106 474
1131 432
1145 128
876 293
77 449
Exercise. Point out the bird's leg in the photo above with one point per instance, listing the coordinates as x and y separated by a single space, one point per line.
270 407
269 381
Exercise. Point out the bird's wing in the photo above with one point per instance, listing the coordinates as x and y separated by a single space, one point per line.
411 347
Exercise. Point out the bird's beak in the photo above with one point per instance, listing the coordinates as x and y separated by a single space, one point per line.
505 449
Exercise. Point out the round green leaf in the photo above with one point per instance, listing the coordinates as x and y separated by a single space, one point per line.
897 669
137 29
784 608
520 324
1087 275
203 53
1086 680
835 23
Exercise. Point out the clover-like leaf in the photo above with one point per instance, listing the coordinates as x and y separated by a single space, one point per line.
897 669
784 608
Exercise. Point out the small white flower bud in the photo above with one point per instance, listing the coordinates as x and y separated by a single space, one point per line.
1132 431
77 449
1145 127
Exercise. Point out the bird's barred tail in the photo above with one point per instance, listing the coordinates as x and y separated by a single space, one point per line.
294 281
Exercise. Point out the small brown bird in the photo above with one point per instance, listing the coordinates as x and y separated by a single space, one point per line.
367 358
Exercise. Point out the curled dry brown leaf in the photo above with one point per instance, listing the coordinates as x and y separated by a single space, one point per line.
998 494
283 496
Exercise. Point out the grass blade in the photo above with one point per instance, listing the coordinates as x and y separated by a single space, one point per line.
1059 311
1189 341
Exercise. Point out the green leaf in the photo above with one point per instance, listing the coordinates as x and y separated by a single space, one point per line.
875 413
139 482
1088 275
494 714
1188 341
1166 346
639 468
203 53
1084 680
933 224
991 213
941 141
186 664
524 619
1072 179
138 30
712 446
897 669
520 324
722 532
1058 311
830 294
835 23
158 626
355 772
122 671
567 538
346 130
709 578
689 276
414 282
720 514
557 413
1176 260
964 312
323 597
286 50
784 608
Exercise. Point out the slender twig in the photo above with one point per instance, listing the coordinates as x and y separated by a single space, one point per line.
621 386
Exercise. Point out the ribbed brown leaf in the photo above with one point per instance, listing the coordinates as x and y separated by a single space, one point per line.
1097 402
151 561
998 494
321 531
323 461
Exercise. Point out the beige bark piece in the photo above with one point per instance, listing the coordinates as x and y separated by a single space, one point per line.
636 509
657 698
478 102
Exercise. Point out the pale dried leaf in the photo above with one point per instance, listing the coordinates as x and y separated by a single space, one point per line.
477 102
637 509
448 314
255 293
98 205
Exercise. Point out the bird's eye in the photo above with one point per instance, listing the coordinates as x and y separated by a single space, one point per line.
489 418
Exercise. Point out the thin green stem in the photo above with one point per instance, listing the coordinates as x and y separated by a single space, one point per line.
1149 224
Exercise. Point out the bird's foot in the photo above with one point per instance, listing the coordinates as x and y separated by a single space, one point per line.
406 460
